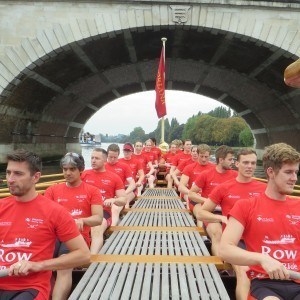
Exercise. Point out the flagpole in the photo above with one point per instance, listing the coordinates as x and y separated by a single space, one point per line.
163 118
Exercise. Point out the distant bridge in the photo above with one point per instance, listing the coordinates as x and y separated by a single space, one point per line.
60 62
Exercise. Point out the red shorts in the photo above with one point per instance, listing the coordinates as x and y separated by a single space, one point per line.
107 217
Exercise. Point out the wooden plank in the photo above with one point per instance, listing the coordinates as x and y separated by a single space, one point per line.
121 258
112 229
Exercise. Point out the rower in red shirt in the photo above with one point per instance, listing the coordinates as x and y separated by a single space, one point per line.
84 203
226 195
112 190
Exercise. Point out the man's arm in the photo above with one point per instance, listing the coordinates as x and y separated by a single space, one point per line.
193 194
131 185
174 175
151 171
119 200
79 255
141 177
205 212
182 187
95 219
231 253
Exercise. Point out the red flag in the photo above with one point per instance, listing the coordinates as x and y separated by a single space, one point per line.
160 103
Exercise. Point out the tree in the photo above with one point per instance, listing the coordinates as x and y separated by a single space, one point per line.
138 134
220 112
246 138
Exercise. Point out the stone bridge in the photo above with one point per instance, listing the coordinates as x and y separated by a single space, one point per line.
60 62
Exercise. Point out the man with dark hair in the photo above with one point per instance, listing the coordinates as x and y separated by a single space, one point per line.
204 184
269 225
112 190
30 225
84 204
226 195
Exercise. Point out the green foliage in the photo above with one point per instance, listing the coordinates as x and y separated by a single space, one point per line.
220 112
246 138
137 134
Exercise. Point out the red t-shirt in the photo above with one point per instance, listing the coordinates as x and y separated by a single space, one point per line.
179 158
149 156
271 227
211 178
28 231
142 159
168 157
157 151
121 169
231 191
194 169
107 182
77 200
134 164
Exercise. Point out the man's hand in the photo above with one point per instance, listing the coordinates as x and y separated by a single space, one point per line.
274 268
24 267
108 202
224 219
79 223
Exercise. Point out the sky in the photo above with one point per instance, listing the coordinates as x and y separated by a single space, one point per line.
138 110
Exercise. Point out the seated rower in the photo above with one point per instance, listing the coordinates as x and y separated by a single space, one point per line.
226 195
136 167
124 172
84 204
269 225
112 190
204 184
191 171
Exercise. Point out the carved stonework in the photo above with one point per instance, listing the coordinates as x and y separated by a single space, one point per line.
180 13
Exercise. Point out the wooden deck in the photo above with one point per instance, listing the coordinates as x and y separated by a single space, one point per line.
155 253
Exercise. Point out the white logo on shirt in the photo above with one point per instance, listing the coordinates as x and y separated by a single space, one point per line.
260 218
19 242
76 212
293 219
33 223
284 239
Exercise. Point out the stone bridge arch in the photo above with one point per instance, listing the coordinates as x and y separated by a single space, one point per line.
56 74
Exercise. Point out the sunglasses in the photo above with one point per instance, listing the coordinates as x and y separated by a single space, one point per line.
72 154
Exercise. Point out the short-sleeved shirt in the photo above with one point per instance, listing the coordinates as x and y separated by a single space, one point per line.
194 169
168 157
142 159
231 191
107 182
77 201
134 164
181 156
271 227
208 180
121 169
28 231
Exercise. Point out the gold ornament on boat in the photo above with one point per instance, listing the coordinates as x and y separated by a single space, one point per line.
292 74
164 147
